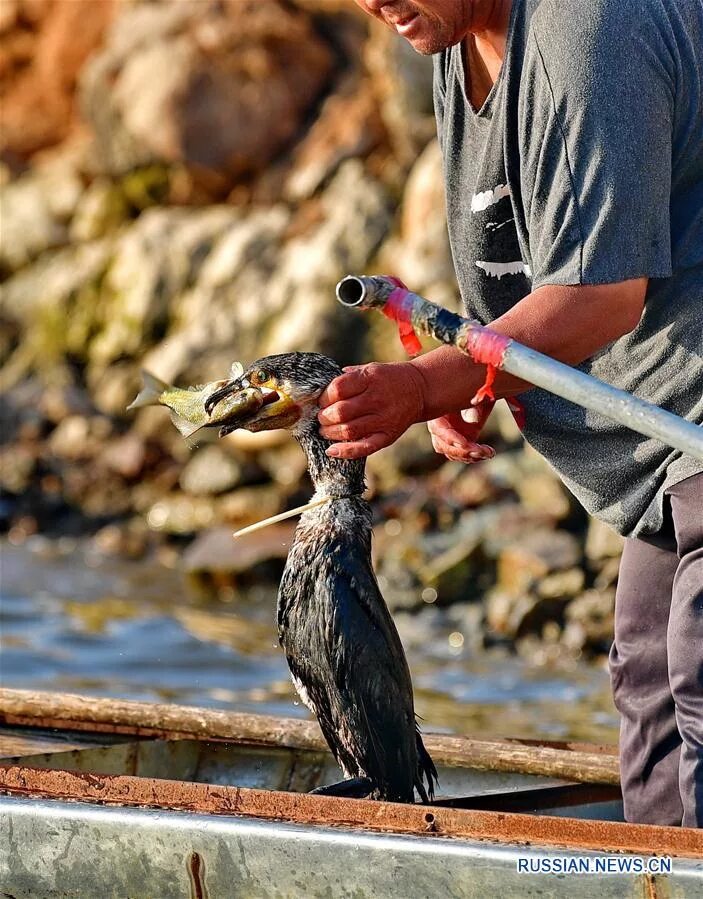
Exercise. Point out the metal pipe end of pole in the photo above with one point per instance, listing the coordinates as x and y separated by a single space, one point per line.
351 291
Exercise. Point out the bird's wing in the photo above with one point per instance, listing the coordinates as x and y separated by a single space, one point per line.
372 675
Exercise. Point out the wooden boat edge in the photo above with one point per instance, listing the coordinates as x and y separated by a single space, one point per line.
579 762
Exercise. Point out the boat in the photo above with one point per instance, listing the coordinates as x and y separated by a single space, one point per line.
103 797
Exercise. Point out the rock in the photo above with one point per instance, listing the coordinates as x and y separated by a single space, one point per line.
229 83
222 316
101 209
176 513
55 303
403 81
17 466
129 540
34 211
113 388
215 561
543 492
456 573
602 542
521 565
608 573
126 456
79 438
347 126
419 254
590 621
561 584
516 617
45 46
215 550
210 471
357 215
247 505
58 402
154 262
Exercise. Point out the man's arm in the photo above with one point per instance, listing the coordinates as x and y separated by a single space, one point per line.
370 406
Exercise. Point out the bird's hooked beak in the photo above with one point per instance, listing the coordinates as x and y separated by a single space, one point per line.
278 410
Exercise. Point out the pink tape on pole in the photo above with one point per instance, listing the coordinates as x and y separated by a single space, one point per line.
488 348
398 309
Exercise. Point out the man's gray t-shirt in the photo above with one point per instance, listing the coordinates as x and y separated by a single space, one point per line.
585 166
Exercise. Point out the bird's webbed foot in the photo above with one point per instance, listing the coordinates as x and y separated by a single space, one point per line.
354 788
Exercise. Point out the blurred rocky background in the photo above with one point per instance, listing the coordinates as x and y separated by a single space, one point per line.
183 183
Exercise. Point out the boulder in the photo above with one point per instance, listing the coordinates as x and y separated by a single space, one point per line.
54 303
523 564
220 315
155 261
229 83
403 82
215 560
210 471
44 48
602 542
420 253
35 210
356 214
347 126
590 621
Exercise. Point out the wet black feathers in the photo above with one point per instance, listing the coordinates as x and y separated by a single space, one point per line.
342 645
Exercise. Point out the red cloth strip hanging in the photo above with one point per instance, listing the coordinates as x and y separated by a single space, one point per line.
398 309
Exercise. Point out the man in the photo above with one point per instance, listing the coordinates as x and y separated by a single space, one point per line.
573 158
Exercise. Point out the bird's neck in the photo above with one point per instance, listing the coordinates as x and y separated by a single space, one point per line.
331 477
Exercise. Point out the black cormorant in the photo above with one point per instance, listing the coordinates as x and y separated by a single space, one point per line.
342 647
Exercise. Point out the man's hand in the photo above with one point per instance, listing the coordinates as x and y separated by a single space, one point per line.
369 407
455 436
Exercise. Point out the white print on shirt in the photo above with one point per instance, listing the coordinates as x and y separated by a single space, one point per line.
487 198
493 226
498 269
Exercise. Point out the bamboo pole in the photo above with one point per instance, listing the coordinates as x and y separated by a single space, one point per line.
535 368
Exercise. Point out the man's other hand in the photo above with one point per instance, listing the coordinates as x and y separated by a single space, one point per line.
455 436
369 406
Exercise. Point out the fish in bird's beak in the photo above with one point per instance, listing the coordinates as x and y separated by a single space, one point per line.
290 385
278 409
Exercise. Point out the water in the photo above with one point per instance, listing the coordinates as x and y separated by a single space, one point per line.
74 620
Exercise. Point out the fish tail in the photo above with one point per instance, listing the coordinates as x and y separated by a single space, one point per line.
152 388
186 428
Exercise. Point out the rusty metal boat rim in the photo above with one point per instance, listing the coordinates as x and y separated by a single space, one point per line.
586 764
385 817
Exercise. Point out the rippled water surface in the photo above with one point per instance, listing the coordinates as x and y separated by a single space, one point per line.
74 620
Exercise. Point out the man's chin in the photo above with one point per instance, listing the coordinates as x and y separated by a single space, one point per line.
427 47
427 41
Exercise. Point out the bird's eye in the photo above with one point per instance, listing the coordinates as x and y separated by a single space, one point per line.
262 376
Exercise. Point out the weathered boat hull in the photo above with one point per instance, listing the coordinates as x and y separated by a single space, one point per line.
58 848
105 798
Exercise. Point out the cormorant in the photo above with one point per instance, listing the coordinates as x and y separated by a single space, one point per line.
343 650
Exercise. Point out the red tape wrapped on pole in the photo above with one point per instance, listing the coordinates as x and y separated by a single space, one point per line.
486 348
398 309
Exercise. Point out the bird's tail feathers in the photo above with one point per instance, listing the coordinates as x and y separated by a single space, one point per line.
425 768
